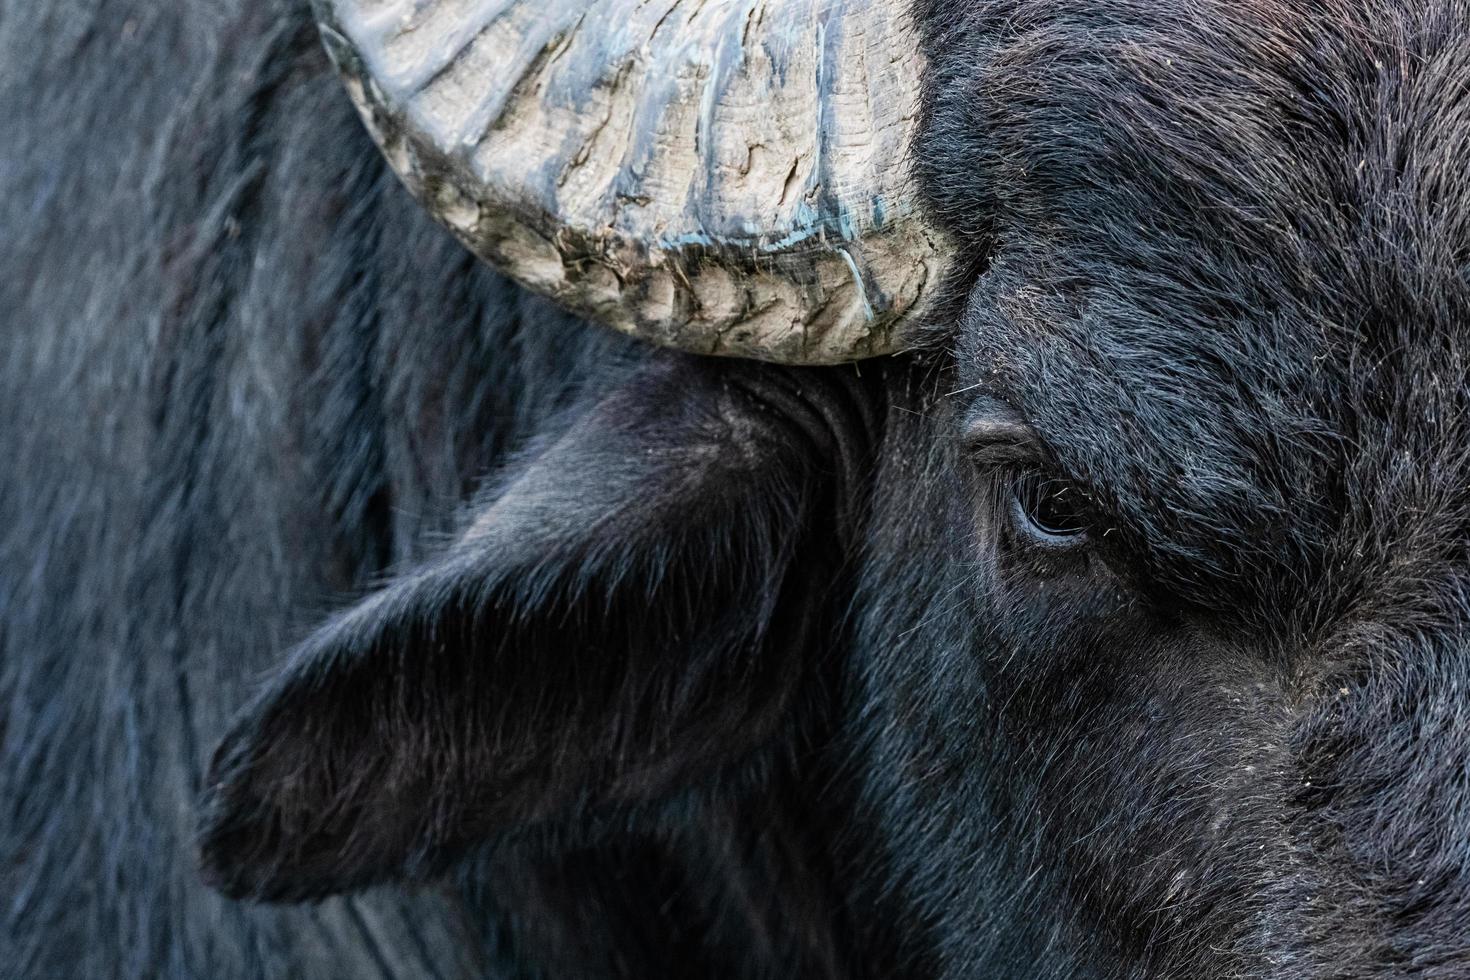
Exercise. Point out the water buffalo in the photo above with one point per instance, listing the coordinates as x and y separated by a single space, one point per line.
1065 575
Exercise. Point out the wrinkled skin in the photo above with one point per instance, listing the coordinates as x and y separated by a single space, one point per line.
736 669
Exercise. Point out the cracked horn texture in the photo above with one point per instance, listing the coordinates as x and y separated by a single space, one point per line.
721 176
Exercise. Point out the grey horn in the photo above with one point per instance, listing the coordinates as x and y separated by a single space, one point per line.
720 176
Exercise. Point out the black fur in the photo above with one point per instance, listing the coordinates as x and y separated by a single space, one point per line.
614 662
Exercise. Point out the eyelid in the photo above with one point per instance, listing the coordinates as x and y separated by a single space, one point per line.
996 433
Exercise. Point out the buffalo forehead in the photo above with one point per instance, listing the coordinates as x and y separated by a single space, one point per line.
1230 282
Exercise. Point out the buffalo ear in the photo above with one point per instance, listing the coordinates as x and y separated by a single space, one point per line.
617 624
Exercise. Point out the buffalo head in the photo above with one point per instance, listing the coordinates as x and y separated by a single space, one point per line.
1134 597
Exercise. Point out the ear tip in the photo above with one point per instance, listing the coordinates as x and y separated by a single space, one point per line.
252 845
241 852
224 853
231 838
238 839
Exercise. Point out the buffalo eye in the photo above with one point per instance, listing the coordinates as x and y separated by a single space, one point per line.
1038 510
1048 511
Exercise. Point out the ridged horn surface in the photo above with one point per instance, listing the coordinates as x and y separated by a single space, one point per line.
721 176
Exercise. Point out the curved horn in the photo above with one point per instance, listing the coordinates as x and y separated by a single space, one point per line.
722 176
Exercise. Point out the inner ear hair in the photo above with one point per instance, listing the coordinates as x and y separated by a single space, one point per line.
620 622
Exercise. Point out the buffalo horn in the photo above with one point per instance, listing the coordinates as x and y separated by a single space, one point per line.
720 176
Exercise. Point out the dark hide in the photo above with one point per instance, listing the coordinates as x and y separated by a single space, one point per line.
1228 290
643 666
